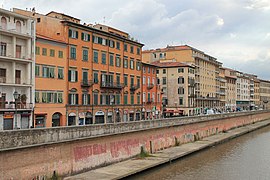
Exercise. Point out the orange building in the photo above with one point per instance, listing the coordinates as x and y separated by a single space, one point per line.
102 70
50 79
152 104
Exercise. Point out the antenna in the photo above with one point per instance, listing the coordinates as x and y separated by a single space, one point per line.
104 18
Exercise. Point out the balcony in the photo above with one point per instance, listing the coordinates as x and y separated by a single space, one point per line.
18 82
86 83
10 106
134 87
9 57
111 85
150 86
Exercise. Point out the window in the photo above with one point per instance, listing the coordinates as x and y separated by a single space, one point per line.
138 64
60 54
44 51
60 73
131 80
118 79
125 62
131 63
158 97
181 90
118 45
157 71
117 99
132 99
148 81
36 97
47 72
95 99
73 99
125 47
158 81
73 75
37 70
149 69
111 59
95 39
138 99
164 71
153 97
72 52
60 97
111 43
85 37
118 61
138 51
153 81
95 56
85 99
73 33
138 82
180 70
148 97
85 54
181 101
125 99
4 23
144 96
37 50
126 80
144 78
164 81
181 80
95 77
103 58
52 52
3 49
131 49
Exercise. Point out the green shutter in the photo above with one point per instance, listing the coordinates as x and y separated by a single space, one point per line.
77 34
88 37
82 35
69 32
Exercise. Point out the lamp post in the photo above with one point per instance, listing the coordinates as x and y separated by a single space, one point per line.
16 96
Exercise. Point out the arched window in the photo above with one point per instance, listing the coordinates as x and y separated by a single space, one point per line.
4 23
18 26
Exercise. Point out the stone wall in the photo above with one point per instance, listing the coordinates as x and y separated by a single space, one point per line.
105 146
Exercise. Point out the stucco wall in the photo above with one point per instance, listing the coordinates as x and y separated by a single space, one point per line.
83 154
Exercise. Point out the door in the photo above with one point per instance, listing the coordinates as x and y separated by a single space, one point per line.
18 77
25 122
18 51
8 124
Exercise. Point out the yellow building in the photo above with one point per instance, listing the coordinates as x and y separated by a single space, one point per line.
264 94
230 76
206 72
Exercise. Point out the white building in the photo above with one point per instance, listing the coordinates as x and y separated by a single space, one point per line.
17 62
242 91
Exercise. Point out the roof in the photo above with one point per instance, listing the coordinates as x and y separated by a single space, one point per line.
170 64
49 38
148 64
181 47
62 15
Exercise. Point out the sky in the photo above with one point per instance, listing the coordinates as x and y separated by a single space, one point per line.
236 32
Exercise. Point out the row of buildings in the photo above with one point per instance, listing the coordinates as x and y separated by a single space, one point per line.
57 71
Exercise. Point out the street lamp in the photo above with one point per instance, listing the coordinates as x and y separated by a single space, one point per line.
16 97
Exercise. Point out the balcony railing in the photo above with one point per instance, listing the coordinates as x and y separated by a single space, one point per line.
134 87
150 86
86 83
18 81
19 105
111 85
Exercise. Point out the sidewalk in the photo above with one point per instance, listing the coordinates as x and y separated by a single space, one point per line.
133 166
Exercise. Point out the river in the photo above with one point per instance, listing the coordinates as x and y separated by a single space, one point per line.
244 158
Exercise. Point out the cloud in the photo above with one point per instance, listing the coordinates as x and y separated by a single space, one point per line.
236 32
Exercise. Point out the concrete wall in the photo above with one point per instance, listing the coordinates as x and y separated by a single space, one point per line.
93 146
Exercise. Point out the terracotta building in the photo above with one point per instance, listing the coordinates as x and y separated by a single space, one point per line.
151 93
177 82
102 66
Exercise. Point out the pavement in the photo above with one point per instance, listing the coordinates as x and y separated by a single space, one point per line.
135 165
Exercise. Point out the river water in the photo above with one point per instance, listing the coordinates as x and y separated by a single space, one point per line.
244 158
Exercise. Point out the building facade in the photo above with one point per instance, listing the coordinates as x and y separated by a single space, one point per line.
243 91
206 72
230 76
102 65
177 83
17 59
151 93
264 94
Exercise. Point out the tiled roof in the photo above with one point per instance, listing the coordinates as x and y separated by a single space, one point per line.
170 64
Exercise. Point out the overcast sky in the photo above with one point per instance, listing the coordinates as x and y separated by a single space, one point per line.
236 32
